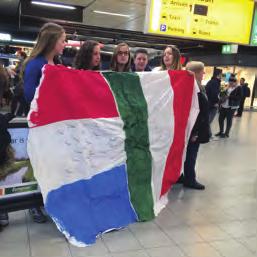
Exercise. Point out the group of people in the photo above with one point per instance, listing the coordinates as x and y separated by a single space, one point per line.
227 101
51 42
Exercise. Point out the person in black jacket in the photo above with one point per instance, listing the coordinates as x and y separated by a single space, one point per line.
229 104
201 131
245 93
212 91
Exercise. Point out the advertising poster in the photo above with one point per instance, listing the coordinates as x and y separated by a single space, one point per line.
16 177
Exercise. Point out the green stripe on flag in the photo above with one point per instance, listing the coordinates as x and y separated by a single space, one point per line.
132 107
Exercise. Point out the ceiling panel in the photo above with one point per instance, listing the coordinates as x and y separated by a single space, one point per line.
136 10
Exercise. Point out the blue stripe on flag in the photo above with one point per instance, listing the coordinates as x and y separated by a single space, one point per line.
89 207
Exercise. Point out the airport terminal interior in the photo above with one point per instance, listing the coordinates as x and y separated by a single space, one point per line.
196 135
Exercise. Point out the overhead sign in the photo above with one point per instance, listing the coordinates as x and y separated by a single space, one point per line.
215 20
254 30
229 49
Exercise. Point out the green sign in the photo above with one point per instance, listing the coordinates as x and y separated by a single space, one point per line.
254 30
229 49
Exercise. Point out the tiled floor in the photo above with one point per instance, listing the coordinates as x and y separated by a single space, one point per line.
218 222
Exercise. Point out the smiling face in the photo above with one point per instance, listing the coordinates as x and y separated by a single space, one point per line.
141 61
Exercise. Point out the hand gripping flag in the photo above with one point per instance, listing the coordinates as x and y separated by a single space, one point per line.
106 147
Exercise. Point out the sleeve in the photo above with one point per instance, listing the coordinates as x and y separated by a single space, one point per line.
32 76
212 91
237 96
195 129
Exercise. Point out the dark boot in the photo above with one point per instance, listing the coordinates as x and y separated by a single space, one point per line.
37 215
196 185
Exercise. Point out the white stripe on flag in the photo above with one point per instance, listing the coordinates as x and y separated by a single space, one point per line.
159 97
82 149
194 111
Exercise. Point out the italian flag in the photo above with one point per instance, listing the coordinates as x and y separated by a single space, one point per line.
106 147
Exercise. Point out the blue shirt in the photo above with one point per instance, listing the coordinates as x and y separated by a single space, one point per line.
32 75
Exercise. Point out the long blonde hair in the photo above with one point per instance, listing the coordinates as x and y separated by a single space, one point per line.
114 63
47 38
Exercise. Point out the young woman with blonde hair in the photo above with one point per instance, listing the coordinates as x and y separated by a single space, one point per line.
50 43
121 58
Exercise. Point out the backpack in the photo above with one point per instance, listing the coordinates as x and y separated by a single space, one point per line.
247 92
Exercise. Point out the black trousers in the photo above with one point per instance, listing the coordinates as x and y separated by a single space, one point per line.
189 164
226 113
241 107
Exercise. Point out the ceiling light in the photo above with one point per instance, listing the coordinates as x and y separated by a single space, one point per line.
23 41
112 13
5 37
54 5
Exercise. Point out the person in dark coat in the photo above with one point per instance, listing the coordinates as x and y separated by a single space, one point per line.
212 91
229 104
245 93
201 131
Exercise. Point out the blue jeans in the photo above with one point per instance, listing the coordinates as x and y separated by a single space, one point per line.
189 164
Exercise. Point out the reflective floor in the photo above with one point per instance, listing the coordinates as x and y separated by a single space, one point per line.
218 222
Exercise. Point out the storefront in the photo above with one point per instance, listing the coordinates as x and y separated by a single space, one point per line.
249 73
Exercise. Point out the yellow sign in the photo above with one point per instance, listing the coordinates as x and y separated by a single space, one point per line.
215 20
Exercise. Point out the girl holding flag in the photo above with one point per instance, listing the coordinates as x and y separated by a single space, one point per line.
50 43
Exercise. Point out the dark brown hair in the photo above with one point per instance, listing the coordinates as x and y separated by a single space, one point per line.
140 51
176 65
84 56
114 63
3 82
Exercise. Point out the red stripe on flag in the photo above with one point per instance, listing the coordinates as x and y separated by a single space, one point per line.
183 85
66 94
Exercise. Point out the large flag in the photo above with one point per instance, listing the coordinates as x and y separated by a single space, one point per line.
106 147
